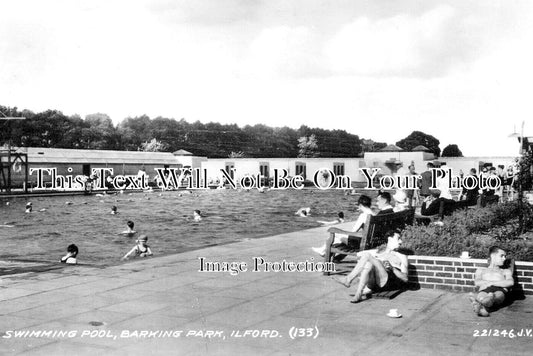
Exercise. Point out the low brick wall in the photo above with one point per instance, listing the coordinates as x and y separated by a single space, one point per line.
458 274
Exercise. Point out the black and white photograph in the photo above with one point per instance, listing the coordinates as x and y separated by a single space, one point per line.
266 177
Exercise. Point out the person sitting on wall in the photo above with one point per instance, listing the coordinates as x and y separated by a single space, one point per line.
378 270
493 282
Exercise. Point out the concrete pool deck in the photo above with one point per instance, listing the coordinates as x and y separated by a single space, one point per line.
168 294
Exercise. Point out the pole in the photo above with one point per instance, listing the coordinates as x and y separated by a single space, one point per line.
9 148
9 165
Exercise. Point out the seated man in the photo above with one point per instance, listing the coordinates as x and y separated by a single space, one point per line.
342 236
378 270
433 204
383 202
493 283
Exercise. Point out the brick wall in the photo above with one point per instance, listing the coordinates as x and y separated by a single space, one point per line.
458 274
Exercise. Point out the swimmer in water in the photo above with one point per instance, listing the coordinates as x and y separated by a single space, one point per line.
114 210
70 257
29 207
303 212
197 216
339 220
141 249
129 231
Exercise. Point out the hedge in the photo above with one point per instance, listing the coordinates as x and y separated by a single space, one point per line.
474 230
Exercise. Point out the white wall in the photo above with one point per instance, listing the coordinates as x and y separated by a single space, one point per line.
250 166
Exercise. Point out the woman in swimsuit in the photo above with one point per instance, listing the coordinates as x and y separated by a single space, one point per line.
141 249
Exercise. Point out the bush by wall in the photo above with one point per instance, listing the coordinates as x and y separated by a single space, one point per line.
474 230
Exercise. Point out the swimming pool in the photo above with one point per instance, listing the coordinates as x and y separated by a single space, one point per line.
229 215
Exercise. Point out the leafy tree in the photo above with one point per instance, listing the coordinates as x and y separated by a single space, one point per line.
153 146
524 182
372 146
419 138
234 154
98 132
452 151
134 131
53 129
308 146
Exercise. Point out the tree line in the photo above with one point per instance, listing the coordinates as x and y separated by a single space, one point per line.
51 128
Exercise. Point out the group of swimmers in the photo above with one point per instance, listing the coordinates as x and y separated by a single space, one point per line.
141 249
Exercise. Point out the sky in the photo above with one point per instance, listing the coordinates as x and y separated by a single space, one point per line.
458 70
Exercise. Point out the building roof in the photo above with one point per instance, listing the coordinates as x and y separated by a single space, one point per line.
420 148
64 155
182 153
391 148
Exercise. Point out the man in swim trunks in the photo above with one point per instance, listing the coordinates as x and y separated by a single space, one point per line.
493 282
378 270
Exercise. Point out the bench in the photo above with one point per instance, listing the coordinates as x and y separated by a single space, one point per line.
446 208
373 235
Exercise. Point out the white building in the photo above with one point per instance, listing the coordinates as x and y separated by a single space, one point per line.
266 167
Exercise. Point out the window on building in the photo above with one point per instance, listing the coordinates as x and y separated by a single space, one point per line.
338 169
229 169
263 169
86 169
300 169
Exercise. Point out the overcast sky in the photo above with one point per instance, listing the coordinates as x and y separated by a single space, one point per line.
458 70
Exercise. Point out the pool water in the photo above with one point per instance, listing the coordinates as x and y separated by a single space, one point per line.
166 218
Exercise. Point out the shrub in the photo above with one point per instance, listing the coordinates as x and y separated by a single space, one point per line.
473 230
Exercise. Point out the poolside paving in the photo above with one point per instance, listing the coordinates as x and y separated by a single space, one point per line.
168 294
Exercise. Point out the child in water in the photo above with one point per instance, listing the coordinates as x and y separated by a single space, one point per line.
114 210
70 257
129 231
29 207
197 215
339 220
141 249
303 212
